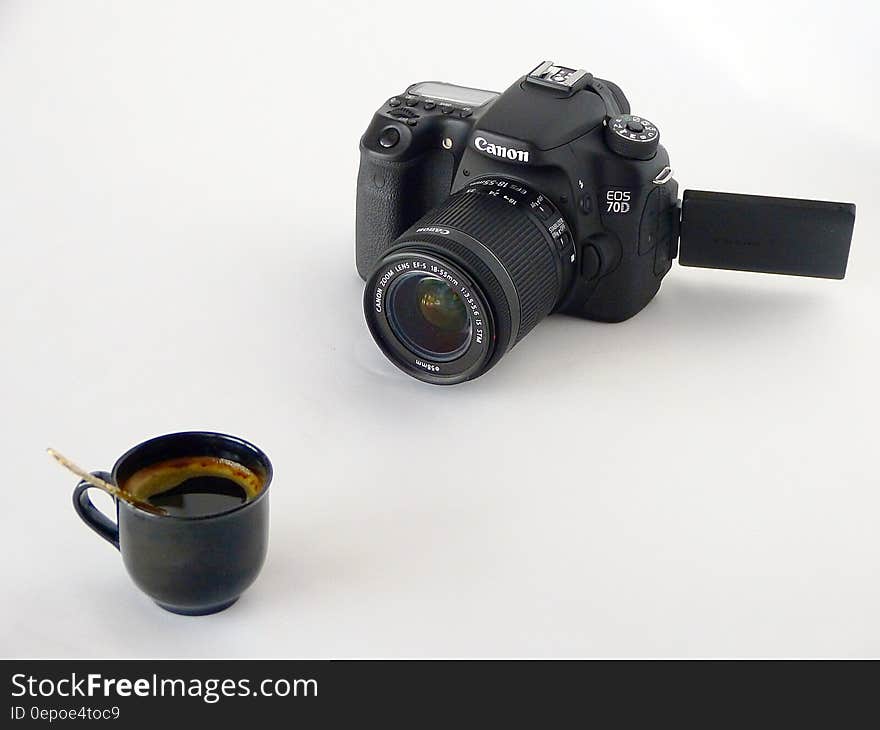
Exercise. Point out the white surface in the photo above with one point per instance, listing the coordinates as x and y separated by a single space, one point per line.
176 222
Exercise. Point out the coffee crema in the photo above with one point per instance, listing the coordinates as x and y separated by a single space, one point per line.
195 486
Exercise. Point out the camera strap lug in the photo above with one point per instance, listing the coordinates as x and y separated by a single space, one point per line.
664 176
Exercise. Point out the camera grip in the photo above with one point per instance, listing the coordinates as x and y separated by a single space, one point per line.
392 194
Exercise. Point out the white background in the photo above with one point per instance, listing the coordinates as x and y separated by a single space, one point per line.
177 188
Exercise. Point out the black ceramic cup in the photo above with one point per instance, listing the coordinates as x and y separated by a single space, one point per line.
188 565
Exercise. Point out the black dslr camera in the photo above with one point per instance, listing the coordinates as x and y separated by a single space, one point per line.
478 214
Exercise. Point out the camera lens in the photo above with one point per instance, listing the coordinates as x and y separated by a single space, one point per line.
428 314
469 280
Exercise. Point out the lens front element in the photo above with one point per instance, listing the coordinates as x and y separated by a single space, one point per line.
429 316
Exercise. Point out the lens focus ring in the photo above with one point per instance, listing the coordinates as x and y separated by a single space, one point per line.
491 211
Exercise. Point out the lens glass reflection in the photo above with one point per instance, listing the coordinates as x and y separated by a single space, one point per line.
429 316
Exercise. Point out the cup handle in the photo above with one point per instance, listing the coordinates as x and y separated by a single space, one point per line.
91 515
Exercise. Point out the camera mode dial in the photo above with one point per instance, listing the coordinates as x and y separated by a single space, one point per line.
632 136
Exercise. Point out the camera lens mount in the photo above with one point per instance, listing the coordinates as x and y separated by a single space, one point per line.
469 280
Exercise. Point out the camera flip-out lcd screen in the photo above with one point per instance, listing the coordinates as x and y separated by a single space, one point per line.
764 234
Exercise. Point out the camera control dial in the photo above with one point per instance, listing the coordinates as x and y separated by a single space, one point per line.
632 136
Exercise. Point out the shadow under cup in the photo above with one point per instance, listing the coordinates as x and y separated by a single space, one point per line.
191 565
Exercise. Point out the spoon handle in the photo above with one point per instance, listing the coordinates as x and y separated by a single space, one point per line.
111 489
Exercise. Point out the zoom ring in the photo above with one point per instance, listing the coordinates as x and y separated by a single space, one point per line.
519 227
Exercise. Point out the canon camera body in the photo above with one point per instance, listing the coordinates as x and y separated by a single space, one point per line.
478 214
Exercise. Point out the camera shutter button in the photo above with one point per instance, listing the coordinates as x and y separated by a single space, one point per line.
389 137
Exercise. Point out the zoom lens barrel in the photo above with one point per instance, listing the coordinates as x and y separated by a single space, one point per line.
469 280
